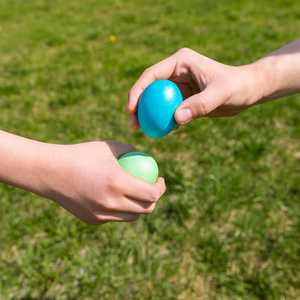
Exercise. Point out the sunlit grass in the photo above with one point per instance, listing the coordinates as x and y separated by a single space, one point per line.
227 227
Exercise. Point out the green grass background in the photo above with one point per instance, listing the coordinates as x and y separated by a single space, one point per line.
228 226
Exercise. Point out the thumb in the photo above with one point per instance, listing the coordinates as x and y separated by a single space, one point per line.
119 149
197 106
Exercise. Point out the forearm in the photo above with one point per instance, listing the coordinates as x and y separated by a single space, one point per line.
279 72
19 163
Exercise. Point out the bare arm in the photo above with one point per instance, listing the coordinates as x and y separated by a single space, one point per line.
85 179
279 72
213 89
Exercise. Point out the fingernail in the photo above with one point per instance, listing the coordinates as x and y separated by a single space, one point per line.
184 115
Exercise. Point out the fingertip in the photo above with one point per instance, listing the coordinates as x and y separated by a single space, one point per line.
134 122
127 106
161 181
131 104
134 97
177 127
183 115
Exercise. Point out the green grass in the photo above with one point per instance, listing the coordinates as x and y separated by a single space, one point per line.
228 226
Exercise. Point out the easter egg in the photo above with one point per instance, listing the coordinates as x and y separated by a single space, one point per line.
157 106
140 165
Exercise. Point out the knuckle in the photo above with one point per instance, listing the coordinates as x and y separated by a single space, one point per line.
184 51
115 182
201 108
148 70
109 206
154 196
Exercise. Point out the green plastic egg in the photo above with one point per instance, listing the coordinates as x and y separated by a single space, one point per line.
140 164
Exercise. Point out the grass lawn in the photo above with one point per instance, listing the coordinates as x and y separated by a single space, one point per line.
228 226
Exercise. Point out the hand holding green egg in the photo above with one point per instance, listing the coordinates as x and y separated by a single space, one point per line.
140 165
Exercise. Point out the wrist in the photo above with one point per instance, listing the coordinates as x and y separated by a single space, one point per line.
54 171
251 87
265 76
19 161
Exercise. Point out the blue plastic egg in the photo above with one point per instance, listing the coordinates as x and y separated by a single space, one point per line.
157 106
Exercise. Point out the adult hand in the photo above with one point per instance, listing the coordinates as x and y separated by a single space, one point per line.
213 89
209 88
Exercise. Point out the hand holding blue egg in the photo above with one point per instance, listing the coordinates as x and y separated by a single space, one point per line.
157 106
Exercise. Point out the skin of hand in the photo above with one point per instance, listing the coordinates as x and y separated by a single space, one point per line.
212 89
85 179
